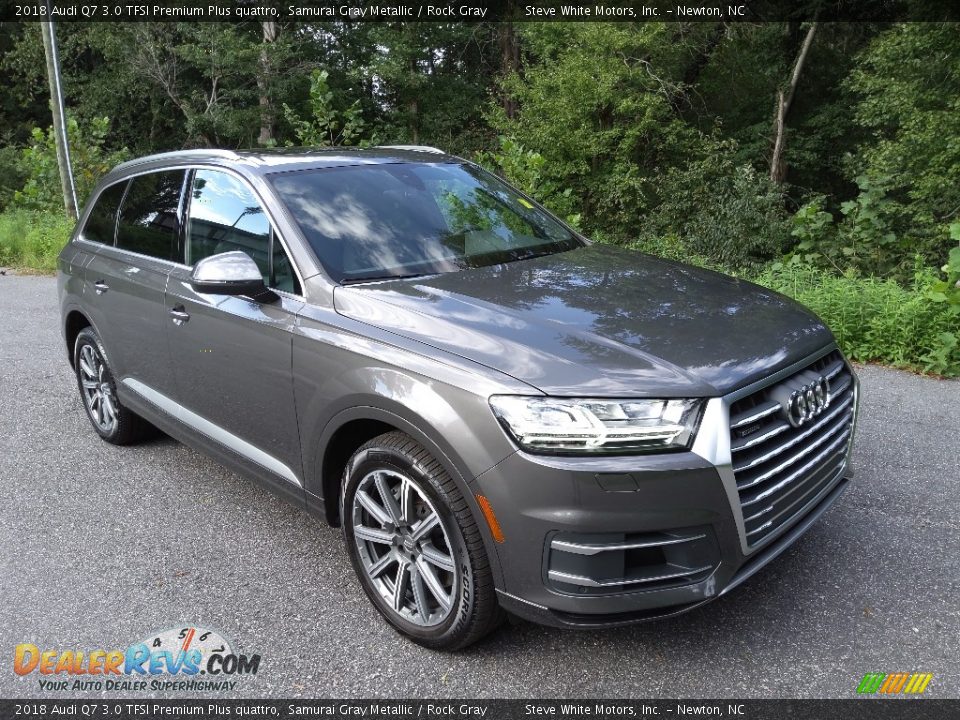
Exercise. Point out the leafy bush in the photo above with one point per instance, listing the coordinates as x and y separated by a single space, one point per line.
862 243
11 177
948 291
526 169
904 96
328 125
723 211
672 247
90 158
31 239
877 320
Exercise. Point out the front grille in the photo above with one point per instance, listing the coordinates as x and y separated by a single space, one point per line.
778 467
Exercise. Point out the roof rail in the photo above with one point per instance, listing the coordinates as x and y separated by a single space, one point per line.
417 148
177 154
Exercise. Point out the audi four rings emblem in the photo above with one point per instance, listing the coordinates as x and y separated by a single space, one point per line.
808 402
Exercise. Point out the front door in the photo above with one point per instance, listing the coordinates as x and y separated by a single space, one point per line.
231 356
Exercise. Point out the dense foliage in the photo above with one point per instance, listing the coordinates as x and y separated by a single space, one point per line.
659 136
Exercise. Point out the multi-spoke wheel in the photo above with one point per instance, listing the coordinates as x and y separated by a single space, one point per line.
404 547
421 563
112 421
97 389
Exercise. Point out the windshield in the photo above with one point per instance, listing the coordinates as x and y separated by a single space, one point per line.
399 220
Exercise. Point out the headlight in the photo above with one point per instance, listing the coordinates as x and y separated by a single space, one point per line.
584 425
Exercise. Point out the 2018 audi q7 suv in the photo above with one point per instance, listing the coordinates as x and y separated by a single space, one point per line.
502 415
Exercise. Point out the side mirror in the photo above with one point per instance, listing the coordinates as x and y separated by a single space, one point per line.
230 273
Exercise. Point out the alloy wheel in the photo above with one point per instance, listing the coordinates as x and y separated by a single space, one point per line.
404 547
97 387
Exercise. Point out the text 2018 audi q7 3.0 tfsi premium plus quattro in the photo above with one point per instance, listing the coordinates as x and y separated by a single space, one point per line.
501 415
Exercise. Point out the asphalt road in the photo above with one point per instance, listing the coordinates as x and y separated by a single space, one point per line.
100 546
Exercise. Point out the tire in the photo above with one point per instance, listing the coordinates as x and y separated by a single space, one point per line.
98 390
421 534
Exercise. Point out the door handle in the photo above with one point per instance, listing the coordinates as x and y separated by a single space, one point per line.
100 287
179 315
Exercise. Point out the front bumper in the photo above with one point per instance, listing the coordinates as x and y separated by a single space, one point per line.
593 542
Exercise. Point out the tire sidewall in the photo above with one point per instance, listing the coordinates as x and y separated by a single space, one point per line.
89 337
456 624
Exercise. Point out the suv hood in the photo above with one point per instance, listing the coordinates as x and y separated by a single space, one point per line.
598 321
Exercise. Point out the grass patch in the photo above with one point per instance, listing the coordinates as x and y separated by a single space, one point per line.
31 240
877 320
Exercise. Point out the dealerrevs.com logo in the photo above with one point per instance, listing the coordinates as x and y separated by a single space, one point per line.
185 659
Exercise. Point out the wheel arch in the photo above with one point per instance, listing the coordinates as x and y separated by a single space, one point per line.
346 431
74 321
361 423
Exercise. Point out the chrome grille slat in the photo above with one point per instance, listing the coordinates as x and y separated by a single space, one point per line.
805 450
786 495
805 493
831 370
832 447
780 468
832 415
754 414
749 442
840 390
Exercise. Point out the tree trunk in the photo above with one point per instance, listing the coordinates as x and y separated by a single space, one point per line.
59 121
509 59
267 113
778 168
413 126
413 106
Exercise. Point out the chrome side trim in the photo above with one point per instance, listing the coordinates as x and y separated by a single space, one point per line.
597 548
178 156
213 431
563 577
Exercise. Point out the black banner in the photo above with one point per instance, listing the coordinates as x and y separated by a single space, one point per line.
478 10
139 709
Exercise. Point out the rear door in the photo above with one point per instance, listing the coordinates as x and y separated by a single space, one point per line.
127 280
232 355
99 230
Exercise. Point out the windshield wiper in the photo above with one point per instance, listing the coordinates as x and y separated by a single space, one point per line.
533 254
374 278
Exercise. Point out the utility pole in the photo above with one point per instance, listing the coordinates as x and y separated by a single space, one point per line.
59 117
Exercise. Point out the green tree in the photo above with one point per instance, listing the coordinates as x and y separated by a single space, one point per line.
91 160
596 102
907 91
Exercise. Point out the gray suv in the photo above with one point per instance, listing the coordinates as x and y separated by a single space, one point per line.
502 416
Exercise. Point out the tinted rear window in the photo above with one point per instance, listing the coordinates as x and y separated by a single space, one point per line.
148 219
102 220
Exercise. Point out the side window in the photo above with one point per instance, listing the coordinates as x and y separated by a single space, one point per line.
102 220
224 216
148 219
